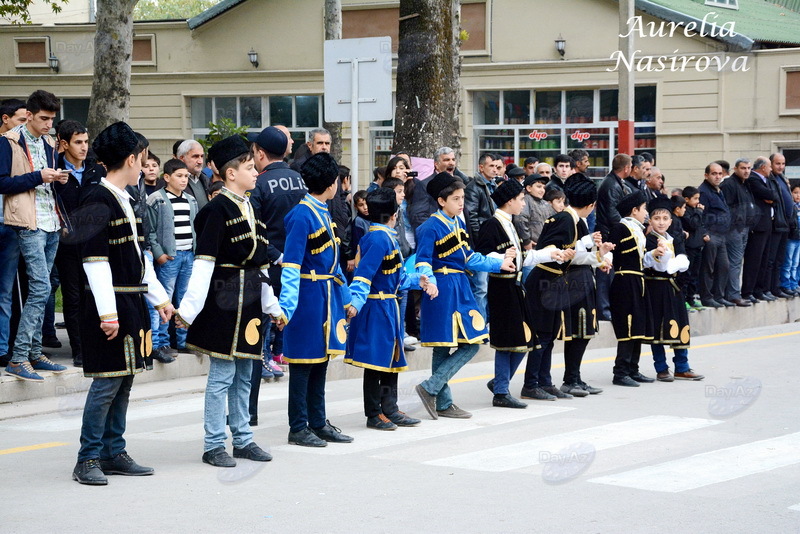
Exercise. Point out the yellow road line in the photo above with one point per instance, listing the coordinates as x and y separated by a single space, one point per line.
33 447
612 358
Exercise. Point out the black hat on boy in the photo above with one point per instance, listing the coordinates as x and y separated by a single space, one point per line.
115 143
533 178
580 191
628 202
226 150
661 202
506 191
439 183
320 171
381 205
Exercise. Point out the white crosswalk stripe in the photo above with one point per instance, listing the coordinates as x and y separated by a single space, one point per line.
529 453
711 467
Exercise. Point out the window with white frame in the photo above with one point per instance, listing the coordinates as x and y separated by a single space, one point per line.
728 4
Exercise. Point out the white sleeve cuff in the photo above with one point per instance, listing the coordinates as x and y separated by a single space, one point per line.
98 273
269 303
156 295
537 256
195 297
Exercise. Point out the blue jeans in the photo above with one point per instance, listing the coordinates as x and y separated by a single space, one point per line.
38 248
104 418
736 241
680 359
791 265
537 370
9 258
479 282
505 365
155 319
307 395
228 380
174 276
444 366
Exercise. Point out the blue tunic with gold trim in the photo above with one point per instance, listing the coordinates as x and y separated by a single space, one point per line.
376 333
444 255
313 290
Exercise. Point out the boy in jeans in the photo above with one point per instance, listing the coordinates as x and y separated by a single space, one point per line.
172 240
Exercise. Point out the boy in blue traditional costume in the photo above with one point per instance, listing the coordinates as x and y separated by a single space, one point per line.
376 329
670 317
451 320
115 323
314 298
227 296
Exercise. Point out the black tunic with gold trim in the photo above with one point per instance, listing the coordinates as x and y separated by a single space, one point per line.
630 312
230 235
511 325
110 252
665 298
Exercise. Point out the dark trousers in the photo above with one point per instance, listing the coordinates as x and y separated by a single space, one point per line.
777 255
104 418
627 361
573 356
70 265
714 268
380 393
537 369
603 281
255 387
755 260
690 279
49 321
307 395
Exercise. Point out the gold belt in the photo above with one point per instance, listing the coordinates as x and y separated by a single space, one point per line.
381 295
141 288
549 269
636 273
503 275
447 270
314 277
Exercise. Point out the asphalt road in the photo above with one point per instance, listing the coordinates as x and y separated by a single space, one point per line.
721 455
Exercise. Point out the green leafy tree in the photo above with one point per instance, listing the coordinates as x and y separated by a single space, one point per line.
171 9
220 130
16 11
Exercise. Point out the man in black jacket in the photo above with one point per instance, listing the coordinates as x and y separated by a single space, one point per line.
743 214
84 172
784 221
756 253
717 221
611 191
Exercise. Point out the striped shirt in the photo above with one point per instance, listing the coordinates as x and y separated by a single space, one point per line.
183 225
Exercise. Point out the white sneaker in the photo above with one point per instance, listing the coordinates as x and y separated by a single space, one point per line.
410 340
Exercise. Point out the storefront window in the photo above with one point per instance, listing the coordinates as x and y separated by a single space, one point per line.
580 106
548 107
486 107
517 107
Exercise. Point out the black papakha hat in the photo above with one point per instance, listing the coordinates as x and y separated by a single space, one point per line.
580 191
226 150
628 202
533 178
661 202
320 171
272 140
506 191
515 172
115 143
439 183
381 205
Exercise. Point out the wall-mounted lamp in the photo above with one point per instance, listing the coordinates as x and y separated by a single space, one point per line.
53 61
253 56
561 45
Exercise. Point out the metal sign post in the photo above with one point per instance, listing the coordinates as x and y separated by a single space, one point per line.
361 92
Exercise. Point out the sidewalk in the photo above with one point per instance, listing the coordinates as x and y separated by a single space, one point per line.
183 372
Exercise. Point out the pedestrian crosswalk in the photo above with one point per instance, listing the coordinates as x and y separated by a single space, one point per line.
557 441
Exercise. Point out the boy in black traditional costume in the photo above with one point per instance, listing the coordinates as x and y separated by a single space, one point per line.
115 324
227 296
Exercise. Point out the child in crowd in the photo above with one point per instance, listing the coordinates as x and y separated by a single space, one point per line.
664 296
172 240
314 297
451 320
359 225
511 335
630 313
556 197
214 189
561 294
228 294
692 223
150 171
376 329
115 328
531 219
790 272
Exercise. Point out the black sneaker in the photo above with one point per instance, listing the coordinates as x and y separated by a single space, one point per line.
401 419
251 451
306 438
639 377
428 401
331 434
574 389
557 393
591 390
380 422
507 401
218 458
625 381
123 464
163 355
51 342
536 394
454 412
89 473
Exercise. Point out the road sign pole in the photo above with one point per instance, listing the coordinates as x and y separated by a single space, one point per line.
354 124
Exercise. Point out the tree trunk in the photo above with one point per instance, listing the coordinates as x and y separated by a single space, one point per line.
113 46
333 30
428 72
